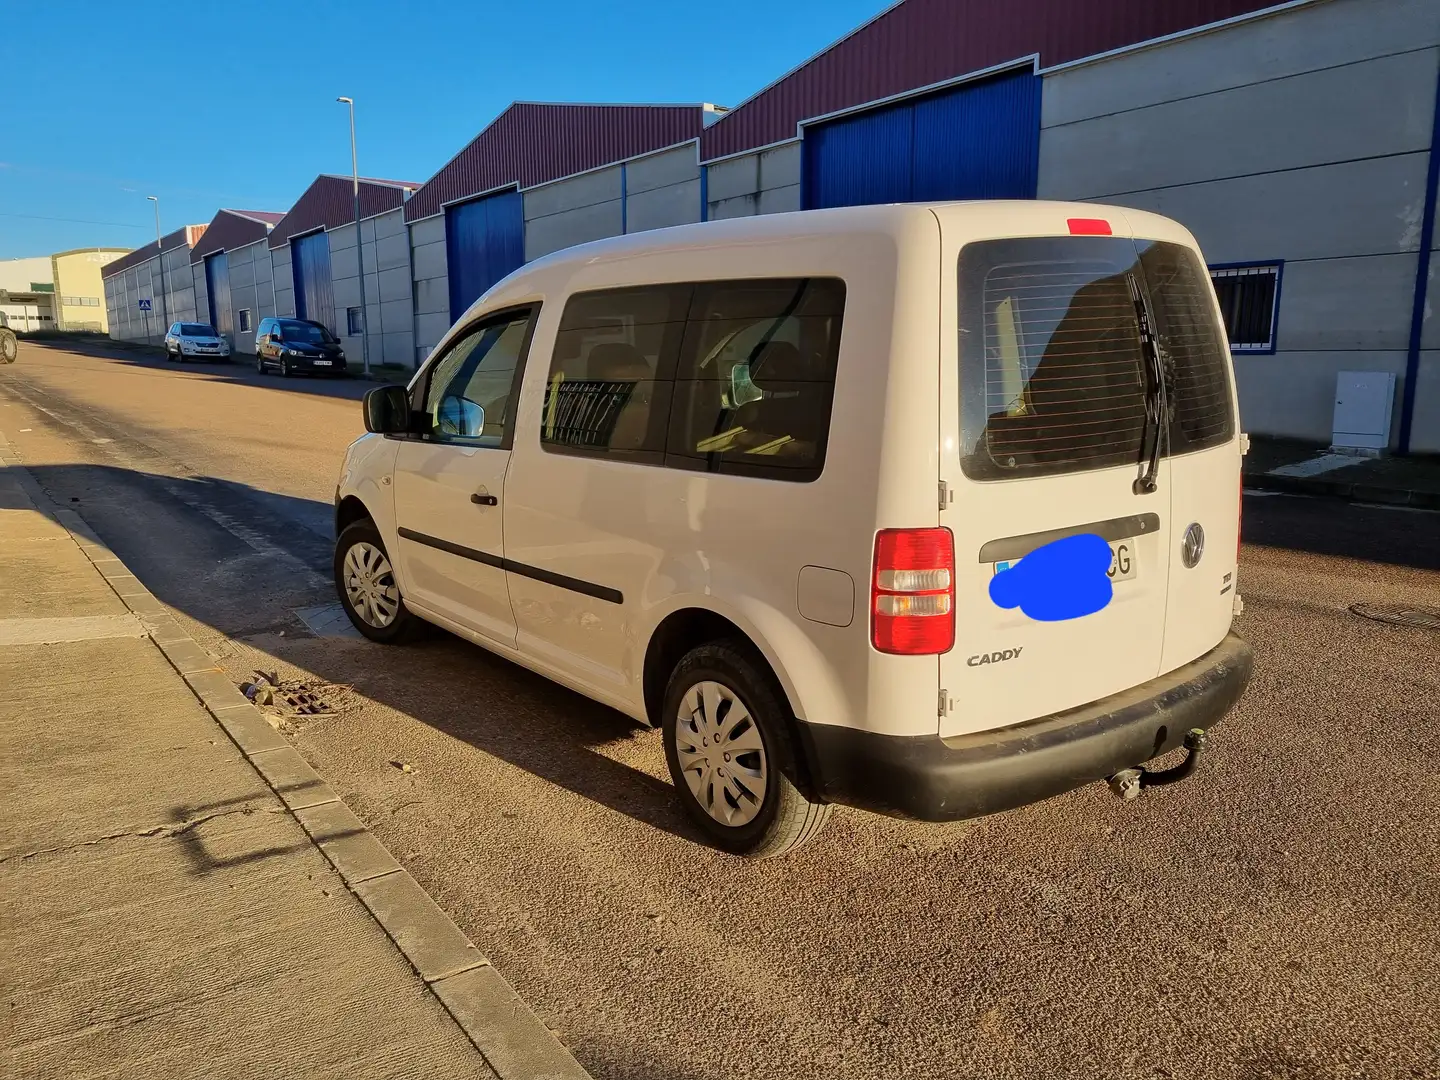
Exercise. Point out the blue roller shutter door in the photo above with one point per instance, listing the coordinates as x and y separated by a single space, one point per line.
978 141
314 293
484 241
217 288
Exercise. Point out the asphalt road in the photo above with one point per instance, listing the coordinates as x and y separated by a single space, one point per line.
1278 916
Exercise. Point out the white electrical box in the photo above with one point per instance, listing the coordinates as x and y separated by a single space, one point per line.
1363 404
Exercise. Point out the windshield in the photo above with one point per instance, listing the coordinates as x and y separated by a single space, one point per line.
1052 367
306 333
194 329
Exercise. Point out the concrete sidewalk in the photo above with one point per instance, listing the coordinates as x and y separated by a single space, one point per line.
180 895
1303 468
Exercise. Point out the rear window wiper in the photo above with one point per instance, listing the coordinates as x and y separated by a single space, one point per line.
1157 410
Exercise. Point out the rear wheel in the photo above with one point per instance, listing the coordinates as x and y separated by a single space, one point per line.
369 593
260 364
9 346
731 754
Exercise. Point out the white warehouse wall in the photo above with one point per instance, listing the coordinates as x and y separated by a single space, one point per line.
1301 136
388 294
431 284
766 182
251 282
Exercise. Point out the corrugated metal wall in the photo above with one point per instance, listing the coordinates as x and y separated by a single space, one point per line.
977 141
314 292
484 241
217 287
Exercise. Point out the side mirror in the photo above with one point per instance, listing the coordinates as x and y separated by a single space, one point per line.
387 410
461 417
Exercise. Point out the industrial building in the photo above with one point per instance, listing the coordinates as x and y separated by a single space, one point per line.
152 287
63 291
234 279
1297 140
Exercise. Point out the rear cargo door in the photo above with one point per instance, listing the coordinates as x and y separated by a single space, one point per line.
1202 443
1044 391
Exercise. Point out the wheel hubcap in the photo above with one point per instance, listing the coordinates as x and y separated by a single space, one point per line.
370 585
721 753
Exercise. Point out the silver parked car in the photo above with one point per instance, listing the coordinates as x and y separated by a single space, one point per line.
199 341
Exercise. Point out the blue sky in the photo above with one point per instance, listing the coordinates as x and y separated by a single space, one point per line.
209 105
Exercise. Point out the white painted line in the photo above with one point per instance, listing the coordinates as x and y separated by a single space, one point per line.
1391 506
328 621
76 628
1317 465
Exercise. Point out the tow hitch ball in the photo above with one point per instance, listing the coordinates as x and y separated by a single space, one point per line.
1128 783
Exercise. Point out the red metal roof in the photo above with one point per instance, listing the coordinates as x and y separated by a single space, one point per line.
230 229
330 202
533 142
920 42
188 236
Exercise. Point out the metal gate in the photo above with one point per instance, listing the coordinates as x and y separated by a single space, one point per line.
976 141
484 241
217 288
314 293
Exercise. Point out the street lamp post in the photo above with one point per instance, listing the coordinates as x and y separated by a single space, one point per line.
160 247
359 242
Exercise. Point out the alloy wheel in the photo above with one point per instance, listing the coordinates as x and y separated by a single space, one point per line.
721 753
370 585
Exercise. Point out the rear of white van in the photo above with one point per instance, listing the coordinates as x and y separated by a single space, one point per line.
1084 389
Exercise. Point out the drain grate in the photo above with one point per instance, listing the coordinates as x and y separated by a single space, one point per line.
1399 615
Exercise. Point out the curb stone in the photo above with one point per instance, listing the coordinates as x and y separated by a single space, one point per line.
1340 489
508 1035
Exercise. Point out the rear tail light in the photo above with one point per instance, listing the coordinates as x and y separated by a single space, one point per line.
912 593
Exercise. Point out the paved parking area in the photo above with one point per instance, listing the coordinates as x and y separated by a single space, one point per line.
1277 916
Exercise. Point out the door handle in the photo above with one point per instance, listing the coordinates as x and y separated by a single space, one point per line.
485 500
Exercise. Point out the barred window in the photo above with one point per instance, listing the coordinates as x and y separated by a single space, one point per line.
1249 303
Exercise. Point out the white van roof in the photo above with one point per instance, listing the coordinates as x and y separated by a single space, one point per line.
1012 217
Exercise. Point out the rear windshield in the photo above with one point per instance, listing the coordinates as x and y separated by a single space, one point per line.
305 333
195 329
1052 367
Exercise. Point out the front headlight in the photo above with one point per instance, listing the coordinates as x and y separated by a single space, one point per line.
292 352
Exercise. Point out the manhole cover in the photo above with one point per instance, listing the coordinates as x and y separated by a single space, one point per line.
1399 615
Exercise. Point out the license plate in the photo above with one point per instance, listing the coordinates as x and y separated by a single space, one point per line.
321 363
1123 562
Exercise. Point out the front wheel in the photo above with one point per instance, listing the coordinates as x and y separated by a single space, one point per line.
731 754
369 593
284 368
9 346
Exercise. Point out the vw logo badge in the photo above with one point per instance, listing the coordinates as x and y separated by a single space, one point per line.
1193 545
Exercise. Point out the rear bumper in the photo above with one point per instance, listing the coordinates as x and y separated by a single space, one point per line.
935 779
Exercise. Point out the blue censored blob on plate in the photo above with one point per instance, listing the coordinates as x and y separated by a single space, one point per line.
1065 579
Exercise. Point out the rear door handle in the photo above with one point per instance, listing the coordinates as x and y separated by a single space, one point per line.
485 500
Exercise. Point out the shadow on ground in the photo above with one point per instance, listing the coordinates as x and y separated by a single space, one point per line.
239 369
451 685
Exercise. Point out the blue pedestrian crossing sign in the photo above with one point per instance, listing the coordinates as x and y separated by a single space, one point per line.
144 305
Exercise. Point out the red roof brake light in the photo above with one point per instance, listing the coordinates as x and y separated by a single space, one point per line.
912 592
1086 226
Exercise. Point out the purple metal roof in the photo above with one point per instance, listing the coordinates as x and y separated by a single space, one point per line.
188 236
330 202
920 42
533 142
230 229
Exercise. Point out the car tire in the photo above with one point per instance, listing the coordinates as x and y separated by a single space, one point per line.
704 690
284 368
259 364
9 346
369 593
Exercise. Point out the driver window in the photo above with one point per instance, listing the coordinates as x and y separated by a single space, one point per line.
470 386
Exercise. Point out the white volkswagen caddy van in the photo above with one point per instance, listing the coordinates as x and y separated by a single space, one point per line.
751 483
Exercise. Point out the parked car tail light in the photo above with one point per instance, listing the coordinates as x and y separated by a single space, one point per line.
912 592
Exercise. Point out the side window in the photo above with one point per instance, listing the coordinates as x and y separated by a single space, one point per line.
612 373
756 378
469 389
